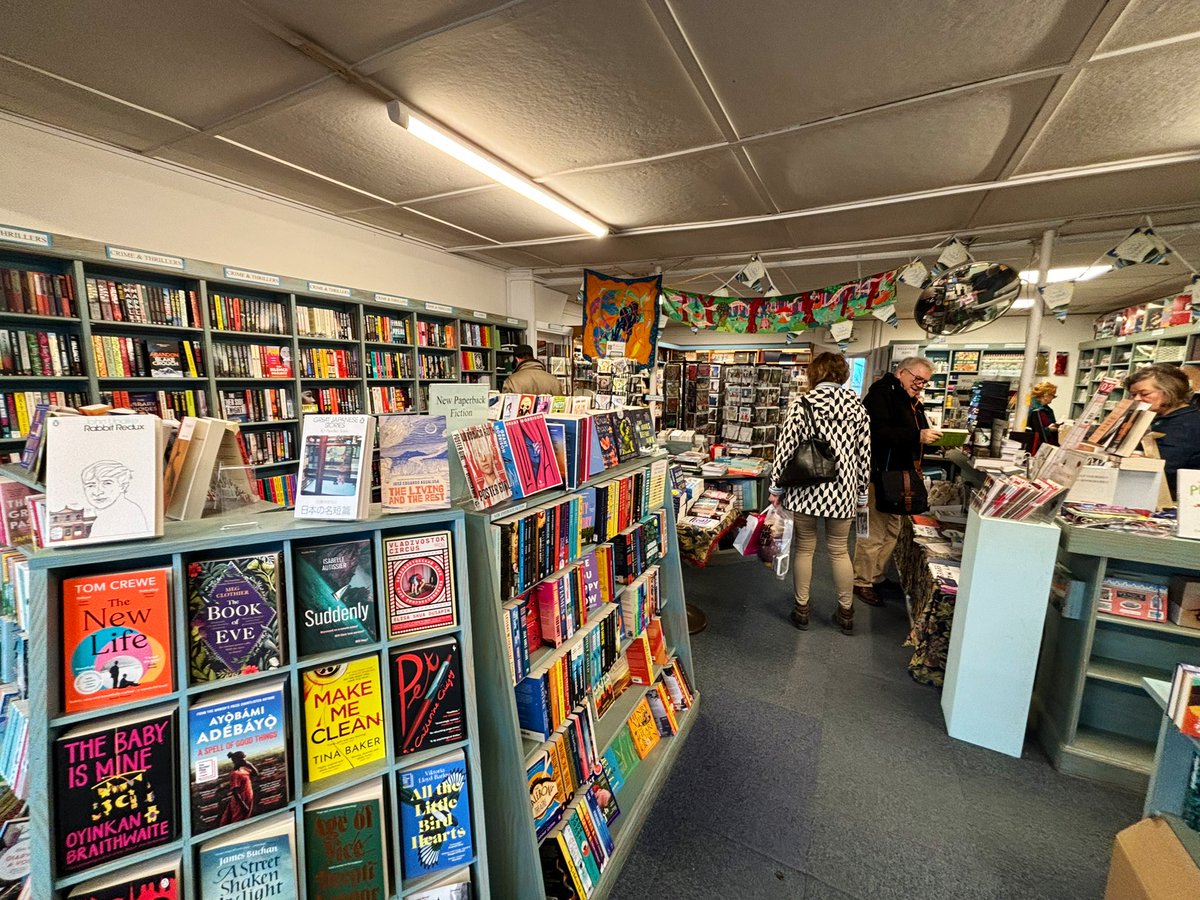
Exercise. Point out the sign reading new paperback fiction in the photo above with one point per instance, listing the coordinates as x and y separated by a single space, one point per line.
462 405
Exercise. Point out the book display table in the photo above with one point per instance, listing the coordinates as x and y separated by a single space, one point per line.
927 557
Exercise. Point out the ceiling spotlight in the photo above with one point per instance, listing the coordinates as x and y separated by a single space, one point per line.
1067 273
436 136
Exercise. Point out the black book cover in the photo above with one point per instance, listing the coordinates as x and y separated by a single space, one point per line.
428 693
115 789
335 597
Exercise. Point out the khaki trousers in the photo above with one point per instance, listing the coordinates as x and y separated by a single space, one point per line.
837 537
872 554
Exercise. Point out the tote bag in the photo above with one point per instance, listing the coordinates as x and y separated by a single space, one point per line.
813 462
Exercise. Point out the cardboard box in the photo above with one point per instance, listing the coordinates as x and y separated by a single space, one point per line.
1183 601
1133 599
1150 863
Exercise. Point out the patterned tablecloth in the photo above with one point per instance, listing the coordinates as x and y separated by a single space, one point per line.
927 556
697 542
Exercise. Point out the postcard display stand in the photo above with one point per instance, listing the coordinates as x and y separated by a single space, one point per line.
514 865
205 539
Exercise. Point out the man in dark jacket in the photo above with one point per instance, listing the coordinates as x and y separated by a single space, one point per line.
530 376
899 430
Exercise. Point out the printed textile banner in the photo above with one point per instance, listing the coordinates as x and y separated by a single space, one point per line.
620 309
786 312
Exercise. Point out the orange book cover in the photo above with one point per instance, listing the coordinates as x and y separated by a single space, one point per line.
642 728
640 660
658 642
116 638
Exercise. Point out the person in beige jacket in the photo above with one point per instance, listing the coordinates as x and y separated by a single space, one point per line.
530 376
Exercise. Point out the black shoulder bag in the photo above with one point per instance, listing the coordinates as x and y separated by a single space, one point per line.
813 462
901 492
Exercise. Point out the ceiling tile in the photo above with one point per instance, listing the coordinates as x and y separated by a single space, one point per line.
513 258
944 215
955 140
401 221
700 186
355 29
344 133
497 213
821 59
1129 192
207 154
56 103
1123 107
549 87
197 62
1144 21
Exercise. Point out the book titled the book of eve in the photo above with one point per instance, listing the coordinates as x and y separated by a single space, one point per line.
334 481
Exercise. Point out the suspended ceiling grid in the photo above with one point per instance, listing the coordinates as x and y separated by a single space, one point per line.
701 131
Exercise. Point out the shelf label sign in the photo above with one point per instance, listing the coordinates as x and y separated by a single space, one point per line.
479 315
14 235
461 404
511 321
511 511
144 257
251 276
332 290
439 307
388 298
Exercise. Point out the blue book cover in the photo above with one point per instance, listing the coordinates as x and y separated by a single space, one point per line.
558 440
587 515
543 794
506 457
239 759
257 861
435 816
414 463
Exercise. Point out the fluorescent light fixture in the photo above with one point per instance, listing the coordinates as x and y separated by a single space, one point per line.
1023 303
452 146
1069 273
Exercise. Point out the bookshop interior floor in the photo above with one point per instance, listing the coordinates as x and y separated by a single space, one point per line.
819 769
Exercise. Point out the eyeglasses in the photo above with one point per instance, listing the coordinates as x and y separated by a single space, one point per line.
917 381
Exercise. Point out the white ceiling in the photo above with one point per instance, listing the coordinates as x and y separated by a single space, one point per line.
701 131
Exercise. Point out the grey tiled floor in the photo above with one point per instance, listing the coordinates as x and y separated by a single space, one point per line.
819 769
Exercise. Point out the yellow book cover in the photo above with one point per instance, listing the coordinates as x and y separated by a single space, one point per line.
642 728
343 717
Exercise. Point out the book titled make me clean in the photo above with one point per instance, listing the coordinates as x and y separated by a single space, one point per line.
343 717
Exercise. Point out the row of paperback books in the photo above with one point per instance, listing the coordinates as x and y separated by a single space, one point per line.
17 408
231 313
387 329
27 352
575 787
143 304
36 293
321 322
125 357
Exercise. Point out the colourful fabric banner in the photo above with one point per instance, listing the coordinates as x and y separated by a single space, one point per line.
620 309
786 312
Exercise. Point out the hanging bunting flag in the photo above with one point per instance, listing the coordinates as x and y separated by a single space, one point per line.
773 292
914 274
752 274
1057 295
621 309
784 312
954 254
1142 247
841 332
887 314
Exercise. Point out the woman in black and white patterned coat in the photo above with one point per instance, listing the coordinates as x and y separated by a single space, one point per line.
840 418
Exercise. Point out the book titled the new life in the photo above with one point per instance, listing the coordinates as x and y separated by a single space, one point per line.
335 476
103 479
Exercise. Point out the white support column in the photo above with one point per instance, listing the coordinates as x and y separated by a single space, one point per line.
1033 333
519 284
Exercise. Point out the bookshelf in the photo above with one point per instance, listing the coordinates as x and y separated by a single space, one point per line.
513 848
1118 357
235 535
1095 719
267 348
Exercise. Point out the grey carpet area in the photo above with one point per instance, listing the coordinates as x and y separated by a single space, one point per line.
819 769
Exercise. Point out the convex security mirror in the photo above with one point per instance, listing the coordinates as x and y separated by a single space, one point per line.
967 297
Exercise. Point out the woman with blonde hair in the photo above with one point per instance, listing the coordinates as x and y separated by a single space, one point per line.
1042 424
837 415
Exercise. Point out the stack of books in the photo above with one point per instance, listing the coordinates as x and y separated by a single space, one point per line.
1019 498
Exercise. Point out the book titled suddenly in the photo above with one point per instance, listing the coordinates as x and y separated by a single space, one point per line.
103 479
334 480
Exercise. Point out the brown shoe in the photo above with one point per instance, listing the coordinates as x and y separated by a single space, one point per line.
844 619
800 617
867 595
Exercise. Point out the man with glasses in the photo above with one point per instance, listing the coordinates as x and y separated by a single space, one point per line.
899 431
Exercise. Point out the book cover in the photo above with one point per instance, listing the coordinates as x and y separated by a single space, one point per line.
115 788
154 880
164 359
116 631
479 453
453 887
643 428
642 728
335 597
606 439
626 436
238 751
256 861
334 480
435 815
233 609
558 441
414 465
15 525
543 794
345 852
103 479
429 709
174 468
605 796
419 571
532 453
343 717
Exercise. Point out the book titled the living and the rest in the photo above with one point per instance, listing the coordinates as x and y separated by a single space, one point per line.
414 463
116 788
335 476
435 815
233 616
335 596
419 583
